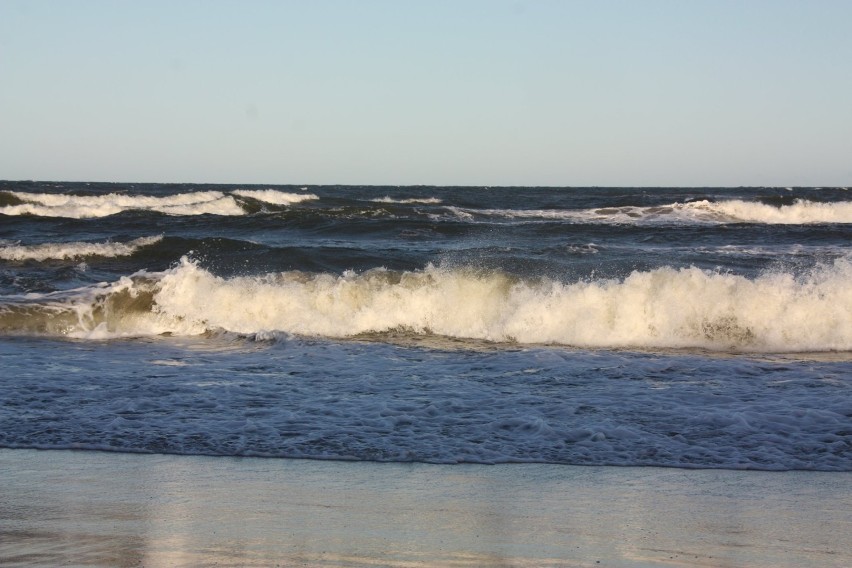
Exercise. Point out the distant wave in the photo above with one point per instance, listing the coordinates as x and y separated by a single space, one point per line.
65 251
413 200
662 308
190 203
245 201
801 212
275 197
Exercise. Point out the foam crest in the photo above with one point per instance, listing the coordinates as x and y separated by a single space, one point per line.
275 197
66 251
125 308
801 212
662 308
90 206
413 200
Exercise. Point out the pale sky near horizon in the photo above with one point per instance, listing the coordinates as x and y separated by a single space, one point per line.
443 92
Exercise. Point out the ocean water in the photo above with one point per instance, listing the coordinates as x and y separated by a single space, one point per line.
681 327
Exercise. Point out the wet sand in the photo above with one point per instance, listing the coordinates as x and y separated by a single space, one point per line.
103 509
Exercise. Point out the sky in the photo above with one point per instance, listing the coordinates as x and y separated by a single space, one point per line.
437 92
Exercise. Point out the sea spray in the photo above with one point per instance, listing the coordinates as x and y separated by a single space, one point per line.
666 307
660 308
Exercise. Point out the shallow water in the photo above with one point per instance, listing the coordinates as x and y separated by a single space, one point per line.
99 509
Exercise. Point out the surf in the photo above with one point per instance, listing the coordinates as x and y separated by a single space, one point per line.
733 211
670 308
182 204
74 250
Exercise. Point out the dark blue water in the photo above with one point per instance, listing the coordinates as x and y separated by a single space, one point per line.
689 327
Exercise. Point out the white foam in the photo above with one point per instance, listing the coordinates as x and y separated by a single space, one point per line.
89 206
801 212
467 214
368 401
63 251
662 308
191 203
275 197
413 200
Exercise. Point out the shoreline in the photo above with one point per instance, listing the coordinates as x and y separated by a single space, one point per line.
91 508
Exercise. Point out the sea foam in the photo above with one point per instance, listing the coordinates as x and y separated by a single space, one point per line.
661 308
65 251
275 197
89 206
409 201
801 212
182 204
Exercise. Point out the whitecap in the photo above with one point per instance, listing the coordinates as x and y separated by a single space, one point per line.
411 201
92 206
275 197
65 251
661 308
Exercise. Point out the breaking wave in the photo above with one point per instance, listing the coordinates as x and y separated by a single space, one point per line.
410 201
239 202
662 308
92 206
66 251
275 197
800 212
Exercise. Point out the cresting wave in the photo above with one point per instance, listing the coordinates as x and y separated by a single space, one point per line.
410 201
275 197
191 203
801 212
662 308
66 251
244 201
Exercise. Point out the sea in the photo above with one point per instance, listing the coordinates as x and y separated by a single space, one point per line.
676 327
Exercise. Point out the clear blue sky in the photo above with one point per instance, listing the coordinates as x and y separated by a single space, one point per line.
468 92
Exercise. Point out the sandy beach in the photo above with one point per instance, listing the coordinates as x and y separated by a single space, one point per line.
106 509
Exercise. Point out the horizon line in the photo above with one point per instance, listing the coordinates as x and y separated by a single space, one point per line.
397 185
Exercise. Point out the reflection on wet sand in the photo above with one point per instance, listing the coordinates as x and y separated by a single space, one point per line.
100 509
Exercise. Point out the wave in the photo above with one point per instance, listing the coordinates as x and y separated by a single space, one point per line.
800 212
183 204
66 251
413 200
248 201
662 308
275 197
